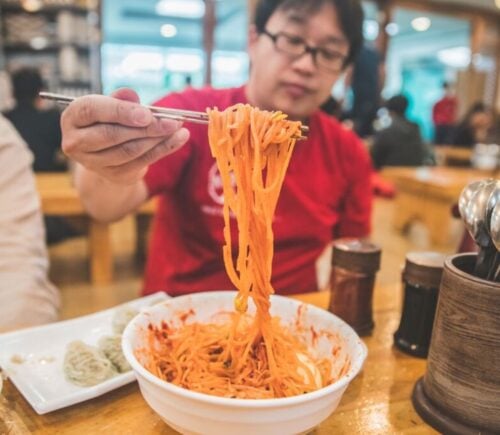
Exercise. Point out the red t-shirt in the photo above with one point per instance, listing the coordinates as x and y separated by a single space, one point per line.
326 194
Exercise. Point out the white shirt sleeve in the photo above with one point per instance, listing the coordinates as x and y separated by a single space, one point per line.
27 297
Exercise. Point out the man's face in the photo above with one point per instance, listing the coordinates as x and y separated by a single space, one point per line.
295 85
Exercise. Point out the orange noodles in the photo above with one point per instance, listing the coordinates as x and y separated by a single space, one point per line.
243 356
252 148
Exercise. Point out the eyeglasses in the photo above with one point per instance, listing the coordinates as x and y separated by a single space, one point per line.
325 58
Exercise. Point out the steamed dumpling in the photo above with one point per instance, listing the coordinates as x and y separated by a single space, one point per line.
111 347
86 365
122 317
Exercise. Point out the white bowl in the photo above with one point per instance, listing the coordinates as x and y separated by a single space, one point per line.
191 412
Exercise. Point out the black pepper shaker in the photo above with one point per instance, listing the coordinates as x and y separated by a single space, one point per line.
421 280
354 266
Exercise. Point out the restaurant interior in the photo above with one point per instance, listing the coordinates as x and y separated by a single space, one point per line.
420 292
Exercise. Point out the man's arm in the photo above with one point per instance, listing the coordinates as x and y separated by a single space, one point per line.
106 200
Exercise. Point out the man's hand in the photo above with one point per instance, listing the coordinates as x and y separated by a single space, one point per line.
117 138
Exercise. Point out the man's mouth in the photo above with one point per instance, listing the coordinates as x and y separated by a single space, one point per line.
295 90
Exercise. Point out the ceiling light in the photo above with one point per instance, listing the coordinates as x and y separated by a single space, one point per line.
421 24
31 5
183 62
181 8
497 3
392 29
228 65
483 63
370 29
142 61
455 57
39 42
168 30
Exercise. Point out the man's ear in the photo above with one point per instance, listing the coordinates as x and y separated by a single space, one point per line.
253 35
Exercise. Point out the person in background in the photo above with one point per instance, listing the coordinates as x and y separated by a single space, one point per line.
298 49
27 297
400 143
474 127
444 115
366 85
39 128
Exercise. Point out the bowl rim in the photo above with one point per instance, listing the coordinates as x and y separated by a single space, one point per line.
238 402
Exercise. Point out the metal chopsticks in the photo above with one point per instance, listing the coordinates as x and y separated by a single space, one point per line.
158 112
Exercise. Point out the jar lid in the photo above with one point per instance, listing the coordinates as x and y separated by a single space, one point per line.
357 255
424 269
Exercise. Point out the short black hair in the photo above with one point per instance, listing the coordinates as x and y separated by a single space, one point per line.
350 15
26 83
397 104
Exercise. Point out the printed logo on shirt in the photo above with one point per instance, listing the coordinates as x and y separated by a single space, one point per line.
215 191
215 185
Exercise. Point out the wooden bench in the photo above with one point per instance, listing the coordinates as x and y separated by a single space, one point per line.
59 198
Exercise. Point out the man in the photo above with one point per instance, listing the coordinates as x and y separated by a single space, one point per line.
444 115
366 85
41 130
400 143
38 127
297 51
27 298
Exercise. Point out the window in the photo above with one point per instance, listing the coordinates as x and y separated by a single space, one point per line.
152 46
156 46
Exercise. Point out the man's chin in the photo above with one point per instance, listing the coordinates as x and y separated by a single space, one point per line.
296 110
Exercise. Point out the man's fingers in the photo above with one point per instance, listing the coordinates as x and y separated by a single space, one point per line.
103 136
162 149
92 109
122 153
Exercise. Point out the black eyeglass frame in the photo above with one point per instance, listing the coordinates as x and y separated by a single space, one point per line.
306 49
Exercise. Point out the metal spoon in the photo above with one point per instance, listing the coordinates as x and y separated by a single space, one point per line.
476 213
493 200
495 237
495 225
465 196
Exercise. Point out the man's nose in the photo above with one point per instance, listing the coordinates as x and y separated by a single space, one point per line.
306 62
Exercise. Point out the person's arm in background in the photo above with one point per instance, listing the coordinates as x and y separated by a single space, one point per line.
27 297
379 150
59 160
114 140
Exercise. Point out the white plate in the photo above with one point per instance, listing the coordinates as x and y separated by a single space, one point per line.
38 373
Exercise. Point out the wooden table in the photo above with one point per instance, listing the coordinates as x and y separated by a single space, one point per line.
58 197
427 194
376 402
453 156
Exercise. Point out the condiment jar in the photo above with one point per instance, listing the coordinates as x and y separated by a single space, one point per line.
354 266
421 280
